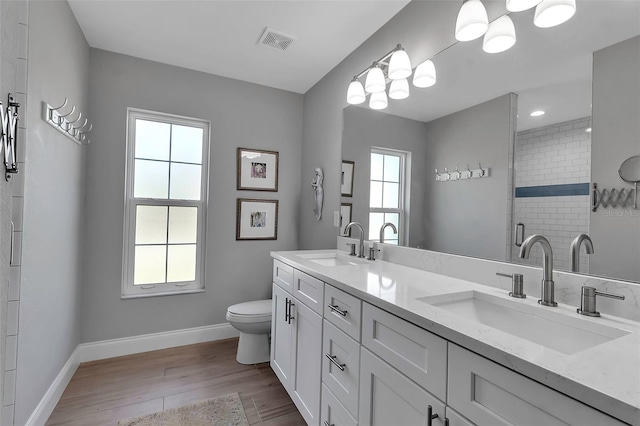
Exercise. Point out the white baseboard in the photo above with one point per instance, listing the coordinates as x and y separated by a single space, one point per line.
118 347
53 394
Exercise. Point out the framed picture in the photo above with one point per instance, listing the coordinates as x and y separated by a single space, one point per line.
346 180
257 170
257 219
345 218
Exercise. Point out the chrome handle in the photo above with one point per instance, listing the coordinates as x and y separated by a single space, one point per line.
286 310
521 227
430 415
333 358
517 285
588 300
13 229
326 423
611 295
335 309
291 304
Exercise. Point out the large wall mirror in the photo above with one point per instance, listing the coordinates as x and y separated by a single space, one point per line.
540 170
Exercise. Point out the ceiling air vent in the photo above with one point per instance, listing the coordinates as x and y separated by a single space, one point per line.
275 39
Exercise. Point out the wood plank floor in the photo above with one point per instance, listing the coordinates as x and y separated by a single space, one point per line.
104 392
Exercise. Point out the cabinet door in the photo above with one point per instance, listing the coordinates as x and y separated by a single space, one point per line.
281 336
387 397
307 350
456 419
489 394
333 413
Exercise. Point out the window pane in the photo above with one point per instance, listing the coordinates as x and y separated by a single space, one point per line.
150 265
183 225
375 223
151 225
186 144
182 263
151 179
375 196
152 140
391 168
377 161
185 182
390 198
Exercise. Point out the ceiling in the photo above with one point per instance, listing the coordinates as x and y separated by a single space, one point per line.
220 36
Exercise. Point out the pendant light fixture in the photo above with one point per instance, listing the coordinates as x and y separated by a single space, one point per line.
375 81
399 89
550 13
521 5
500 36
378 100
472 21
399 65
425 75
355 93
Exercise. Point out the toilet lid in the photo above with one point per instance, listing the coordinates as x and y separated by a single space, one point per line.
254 308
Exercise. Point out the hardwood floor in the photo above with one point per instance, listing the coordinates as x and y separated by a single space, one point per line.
104 392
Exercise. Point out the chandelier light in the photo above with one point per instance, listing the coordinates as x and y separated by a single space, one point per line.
399 65
399 89
425 75
500 36
472 21
355 93
378 100
375 81
550 13
521 5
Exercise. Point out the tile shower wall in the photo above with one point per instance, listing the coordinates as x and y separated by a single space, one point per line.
553 157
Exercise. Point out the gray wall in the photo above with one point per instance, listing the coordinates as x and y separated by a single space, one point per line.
469 217
241 115
53 206
365 128
616 112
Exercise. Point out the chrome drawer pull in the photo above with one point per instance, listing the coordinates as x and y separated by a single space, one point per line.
334 361
335 309
431 416
326 423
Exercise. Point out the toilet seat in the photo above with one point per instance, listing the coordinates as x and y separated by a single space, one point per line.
255 311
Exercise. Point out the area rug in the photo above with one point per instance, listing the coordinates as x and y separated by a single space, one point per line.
222 411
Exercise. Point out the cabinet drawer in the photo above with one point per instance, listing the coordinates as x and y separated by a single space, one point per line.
388 397
283 275
332 412
308 290
342 310
456 419
343 377
487 393
415 352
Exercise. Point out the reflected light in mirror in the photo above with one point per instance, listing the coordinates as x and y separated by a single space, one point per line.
399 89
550 13
425 75
500 36
355 93
537 113
399 65
472 21
375 81
378 100
520 5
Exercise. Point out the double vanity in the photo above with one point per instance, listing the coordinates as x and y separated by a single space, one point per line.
366 342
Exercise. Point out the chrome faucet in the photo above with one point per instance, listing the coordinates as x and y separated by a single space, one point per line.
547 291
395 230
575 250
348 227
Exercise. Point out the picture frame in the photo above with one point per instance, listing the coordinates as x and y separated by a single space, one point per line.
257 170
346 180
256 219
345 218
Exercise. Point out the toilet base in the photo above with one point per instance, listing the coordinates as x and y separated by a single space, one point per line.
253 348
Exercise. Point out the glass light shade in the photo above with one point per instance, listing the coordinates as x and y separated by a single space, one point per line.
500 36
378 100
550 13
425 75
472 21
355 93
399 65
520 5
399 89
375 81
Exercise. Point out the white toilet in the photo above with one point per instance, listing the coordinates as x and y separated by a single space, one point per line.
253 320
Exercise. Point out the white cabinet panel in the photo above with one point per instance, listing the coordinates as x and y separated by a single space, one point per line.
333 413
308 290
281 361
342 375
283 275
414 351
489 394
456 419
343 310
387 397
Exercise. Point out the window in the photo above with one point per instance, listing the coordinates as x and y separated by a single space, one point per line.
386 194
165 204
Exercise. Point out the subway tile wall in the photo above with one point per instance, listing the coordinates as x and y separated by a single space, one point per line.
553 155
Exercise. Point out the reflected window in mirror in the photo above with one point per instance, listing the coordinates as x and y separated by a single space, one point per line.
387 185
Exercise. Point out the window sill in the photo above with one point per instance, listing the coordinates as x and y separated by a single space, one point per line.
158 294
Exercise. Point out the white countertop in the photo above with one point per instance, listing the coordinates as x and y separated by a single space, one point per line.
606 376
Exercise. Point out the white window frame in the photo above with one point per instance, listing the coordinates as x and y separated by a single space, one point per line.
402 192
129 290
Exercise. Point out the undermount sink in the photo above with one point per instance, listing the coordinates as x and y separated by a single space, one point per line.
332 259
536 324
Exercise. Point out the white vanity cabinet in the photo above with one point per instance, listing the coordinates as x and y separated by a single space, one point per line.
296 340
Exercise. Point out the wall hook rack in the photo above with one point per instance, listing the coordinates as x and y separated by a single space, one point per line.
446 176
64 124
9 118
